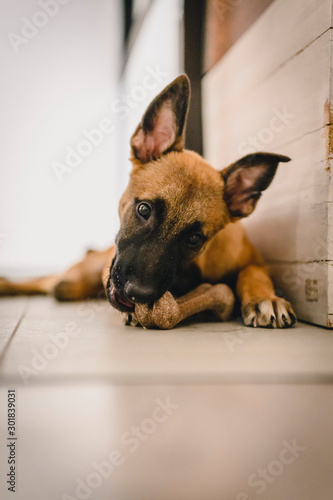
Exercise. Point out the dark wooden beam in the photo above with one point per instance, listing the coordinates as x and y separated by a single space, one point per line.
226 21
194 15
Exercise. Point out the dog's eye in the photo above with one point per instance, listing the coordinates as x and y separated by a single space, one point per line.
144 210
194 240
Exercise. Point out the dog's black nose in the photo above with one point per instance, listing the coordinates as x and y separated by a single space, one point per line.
139 293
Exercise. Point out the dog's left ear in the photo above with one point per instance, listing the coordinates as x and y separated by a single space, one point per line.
246 179
162 128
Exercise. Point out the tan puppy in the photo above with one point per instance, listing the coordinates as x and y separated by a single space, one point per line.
180 241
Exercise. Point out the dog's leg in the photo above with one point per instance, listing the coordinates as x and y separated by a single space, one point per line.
85 279
260 305
81 281
167 312
38 286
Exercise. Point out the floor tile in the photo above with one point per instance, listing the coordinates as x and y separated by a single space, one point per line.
89 340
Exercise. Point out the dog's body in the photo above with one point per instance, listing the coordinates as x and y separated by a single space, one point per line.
179 235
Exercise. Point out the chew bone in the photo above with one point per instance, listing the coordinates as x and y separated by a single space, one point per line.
166 312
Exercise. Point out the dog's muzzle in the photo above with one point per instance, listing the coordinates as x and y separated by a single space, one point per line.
125 291
133 280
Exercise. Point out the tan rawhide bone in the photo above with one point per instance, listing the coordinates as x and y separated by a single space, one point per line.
167 312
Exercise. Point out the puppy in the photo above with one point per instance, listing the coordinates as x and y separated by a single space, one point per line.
181 243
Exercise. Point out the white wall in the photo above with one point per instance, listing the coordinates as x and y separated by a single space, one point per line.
156 59
56 84
58 80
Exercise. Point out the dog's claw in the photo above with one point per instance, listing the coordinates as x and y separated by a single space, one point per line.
254 322
276 313
292 317
130 319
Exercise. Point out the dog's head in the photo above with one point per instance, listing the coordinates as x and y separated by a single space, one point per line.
175 201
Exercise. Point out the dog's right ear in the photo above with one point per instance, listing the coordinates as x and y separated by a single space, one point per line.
162 128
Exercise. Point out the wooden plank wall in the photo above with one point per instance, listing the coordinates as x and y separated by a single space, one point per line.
272 92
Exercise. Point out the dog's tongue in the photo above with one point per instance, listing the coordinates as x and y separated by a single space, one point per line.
119 298
123 301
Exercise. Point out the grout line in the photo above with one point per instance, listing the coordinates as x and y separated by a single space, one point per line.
165 379
300 137
299 262
293 56
5 349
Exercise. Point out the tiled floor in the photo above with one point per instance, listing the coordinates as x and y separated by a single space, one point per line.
203 412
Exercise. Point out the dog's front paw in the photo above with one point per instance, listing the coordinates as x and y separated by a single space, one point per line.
276 313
